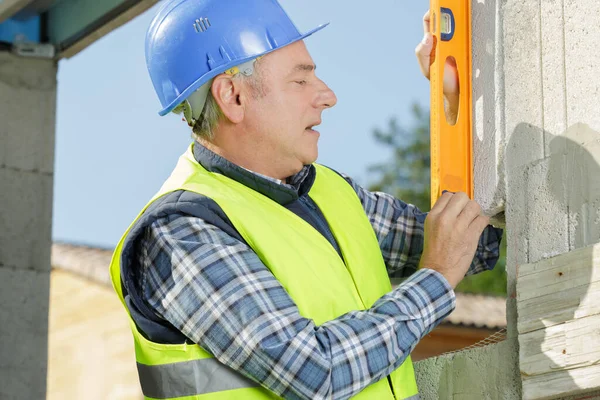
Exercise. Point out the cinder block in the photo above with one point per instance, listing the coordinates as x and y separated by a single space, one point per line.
517 207
23 333
508 96
516 233
576 156
547 210
553 64
523 86
26 219
582 58
27 112
458 376
487 109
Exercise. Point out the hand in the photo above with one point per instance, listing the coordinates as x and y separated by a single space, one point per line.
452 231
425 52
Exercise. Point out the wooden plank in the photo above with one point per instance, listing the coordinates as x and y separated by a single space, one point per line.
568 346
558 304
559 289
8 8
557 308
561 383
528 274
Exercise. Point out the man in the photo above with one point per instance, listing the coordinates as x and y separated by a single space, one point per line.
255 273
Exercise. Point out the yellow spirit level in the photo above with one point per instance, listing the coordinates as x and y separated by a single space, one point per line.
451 145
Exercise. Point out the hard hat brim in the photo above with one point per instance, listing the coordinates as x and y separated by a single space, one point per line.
224 68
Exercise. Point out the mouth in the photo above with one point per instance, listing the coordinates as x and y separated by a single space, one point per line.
311 128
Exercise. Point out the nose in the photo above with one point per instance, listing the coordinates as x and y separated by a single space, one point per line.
326 98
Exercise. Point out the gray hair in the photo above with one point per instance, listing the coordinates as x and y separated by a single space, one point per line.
204 127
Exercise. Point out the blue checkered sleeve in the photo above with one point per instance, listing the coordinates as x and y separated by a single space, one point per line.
400 231
218 293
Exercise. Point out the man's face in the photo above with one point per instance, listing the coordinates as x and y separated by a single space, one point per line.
287 105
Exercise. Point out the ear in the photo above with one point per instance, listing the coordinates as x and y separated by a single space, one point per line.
227 92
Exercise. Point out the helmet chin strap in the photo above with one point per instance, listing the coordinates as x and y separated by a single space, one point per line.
193 106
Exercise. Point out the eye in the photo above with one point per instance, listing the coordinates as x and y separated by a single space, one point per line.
301 83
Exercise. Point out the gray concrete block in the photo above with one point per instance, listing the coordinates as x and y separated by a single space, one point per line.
23 333
486 373
27 112
576 165
582 60
516 237
522 82
547 218
26 219
517 211
487 108
516 214
553 69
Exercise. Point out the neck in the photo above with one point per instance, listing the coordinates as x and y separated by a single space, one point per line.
243 152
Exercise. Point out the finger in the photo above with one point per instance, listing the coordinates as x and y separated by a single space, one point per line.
427 22
479 224
451 63
451 81
457 204
471 211
423 52
441 203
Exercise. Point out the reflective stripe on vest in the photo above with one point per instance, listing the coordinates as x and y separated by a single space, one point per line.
189 378
321 284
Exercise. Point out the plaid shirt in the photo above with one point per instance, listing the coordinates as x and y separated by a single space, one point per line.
208 284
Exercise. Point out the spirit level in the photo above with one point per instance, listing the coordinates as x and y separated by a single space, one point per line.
451 145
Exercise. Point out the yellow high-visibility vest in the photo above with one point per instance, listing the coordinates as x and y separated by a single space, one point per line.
322 285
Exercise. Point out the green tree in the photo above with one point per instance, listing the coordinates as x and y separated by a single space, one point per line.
407 176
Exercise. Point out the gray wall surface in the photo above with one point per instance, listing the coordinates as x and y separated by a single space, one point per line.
552 160
536 108
27 115
487 373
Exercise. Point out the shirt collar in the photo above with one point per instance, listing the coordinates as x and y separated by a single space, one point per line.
283 193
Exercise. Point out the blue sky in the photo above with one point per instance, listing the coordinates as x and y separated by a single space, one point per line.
113 151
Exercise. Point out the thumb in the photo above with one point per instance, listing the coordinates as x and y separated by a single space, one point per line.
423 52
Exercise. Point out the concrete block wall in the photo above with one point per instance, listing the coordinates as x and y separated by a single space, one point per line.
536 107
552 129
27 115
487 373
552 126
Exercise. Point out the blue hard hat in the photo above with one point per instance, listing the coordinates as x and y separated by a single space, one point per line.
189 42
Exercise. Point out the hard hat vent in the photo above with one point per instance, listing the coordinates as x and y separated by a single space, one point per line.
201 25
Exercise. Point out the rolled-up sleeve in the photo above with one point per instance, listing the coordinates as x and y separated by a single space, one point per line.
400 230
